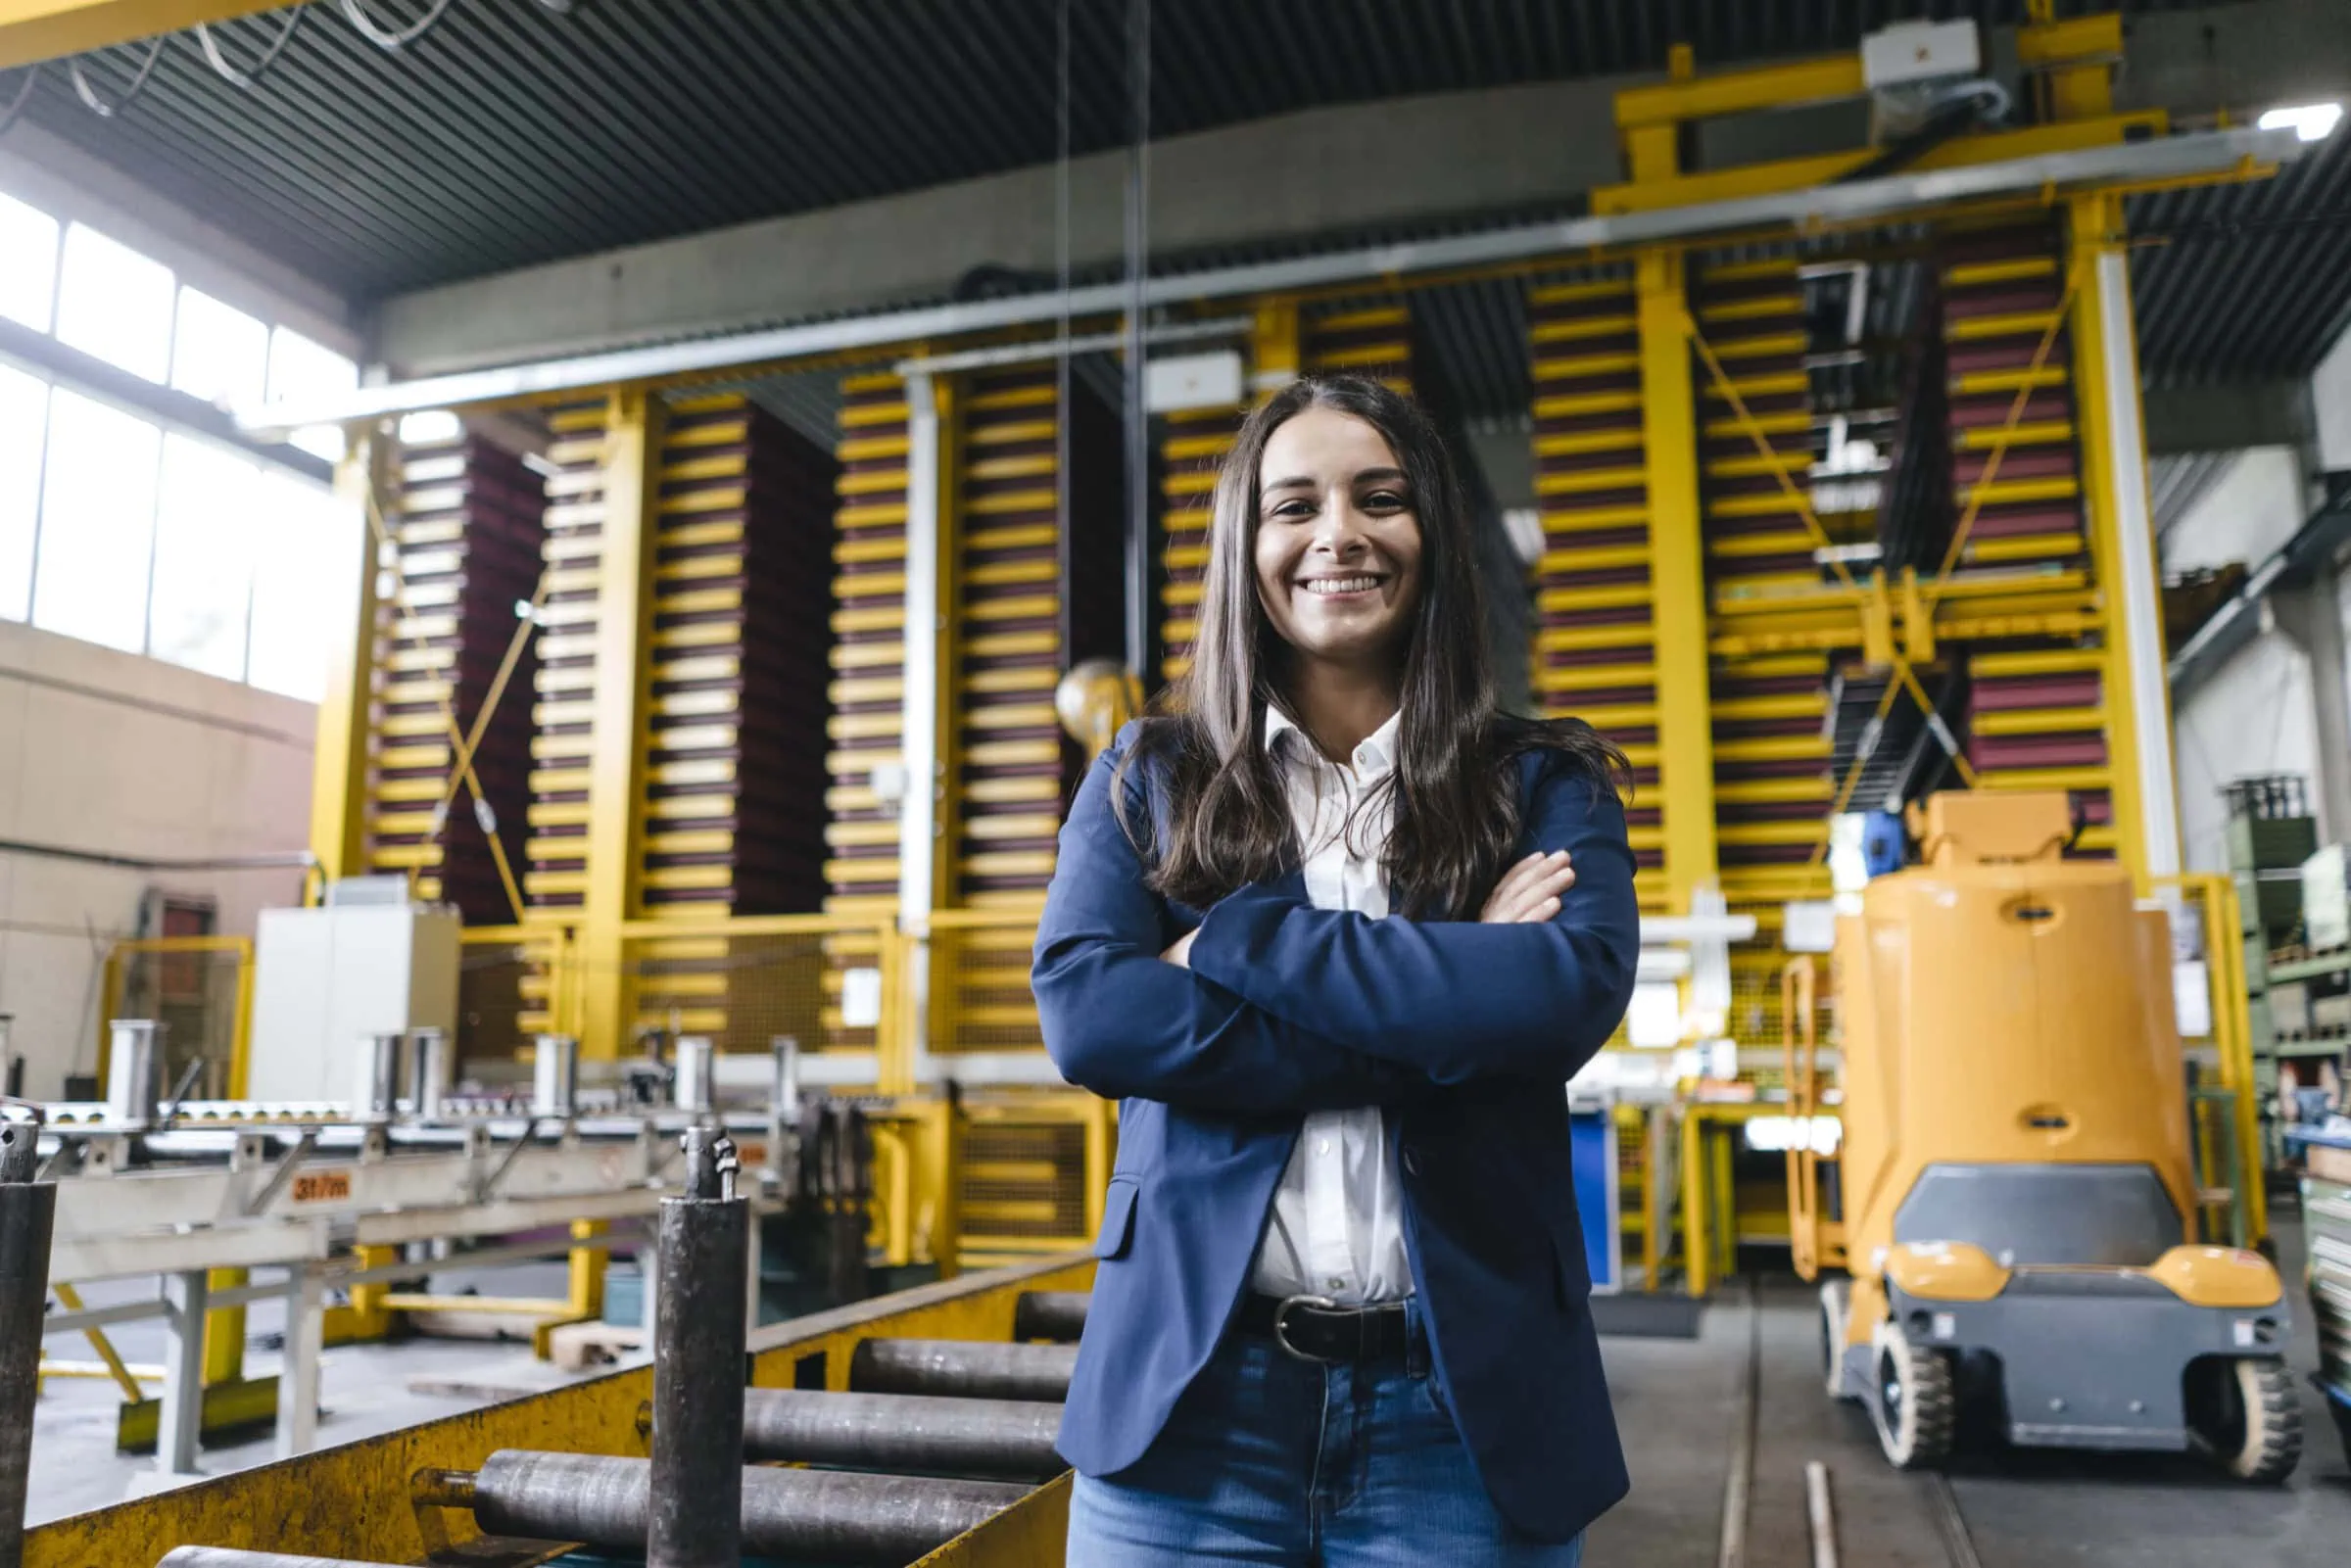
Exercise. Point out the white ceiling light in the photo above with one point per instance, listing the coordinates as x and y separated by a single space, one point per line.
2310 122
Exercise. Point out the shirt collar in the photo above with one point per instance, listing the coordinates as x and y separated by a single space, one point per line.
1376 754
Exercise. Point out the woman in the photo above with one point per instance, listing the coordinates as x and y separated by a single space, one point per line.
1338 933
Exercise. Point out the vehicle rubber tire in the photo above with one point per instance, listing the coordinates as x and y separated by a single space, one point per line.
2250 1415
1914 1406
1836 1302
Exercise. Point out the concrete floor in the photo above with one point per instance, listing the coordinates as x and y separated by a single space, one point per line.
1675 1403
2024 1509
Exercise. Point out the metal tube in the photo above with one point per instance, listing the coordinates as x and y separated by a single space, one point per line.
971 1369
28 1221
2160 158
556 1076
1011 1439
1050 1315
825 1515
698 1332
694 1089
234 1558
134 1066
429 1072
377 1094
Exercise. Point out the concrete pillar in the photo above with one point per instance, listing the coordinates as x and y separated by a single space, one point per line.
2311 616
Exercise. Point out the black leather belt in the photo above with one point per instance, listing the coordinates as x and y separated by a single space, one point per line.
1314 1328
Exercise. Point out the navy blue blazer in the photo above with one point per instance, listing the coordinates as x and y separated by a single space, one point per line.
1464 1034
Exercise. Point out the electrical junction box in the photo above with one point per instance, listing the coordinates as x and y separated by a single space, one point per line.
1179 382
1912 52
326 980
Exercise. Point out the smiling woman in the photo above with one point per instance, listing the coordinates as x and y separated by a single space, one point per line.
1336 930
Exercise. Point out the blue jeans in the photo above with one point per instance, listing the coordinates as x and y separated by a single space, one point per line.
1271 1460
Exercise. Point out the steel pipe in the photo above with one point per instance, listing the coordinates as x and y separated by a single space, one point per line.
826 1515
556 1075
134 1068
236 1558
1050 1315
699 1329
27 1220
1008 1438
968 1370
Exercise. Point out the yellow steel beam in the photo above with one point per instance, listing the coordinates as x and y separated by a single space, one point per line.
1731 92
2101 305
1677 576
1646 195
50 30
624 626
339 770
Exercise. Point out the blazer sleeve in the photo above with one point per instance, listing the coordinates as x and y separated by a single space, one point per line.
1454 1000
1119 1021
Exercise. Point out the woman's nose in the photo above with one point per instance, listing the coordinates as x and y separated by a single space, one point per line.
1340 528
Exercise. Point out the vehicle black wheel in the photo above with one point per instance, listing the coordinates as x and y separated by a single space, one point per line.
1911 1402
2248 1416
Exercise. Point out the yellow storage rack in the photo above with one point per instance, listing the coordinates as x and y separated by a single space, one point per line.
465 524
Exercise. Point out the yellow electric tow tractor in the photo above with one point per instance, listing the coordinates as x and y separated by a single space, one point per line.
2015 1180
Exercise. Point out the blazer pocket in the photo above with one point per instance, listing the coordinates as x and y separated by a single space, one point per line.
1118 1218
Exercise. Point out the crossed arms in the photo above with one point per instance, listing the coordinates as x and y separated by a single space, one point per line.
1289 1008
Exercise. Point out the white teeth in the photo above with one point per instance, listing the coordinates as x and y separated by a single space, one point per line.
1341 585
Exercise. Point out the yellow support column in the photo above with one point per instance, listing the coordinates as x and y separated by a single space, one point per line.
1677 578
339 769
624 624
2137 692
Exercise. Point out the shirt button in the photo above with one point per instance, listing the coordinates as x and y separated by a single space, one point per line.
1334 1283
1323 1146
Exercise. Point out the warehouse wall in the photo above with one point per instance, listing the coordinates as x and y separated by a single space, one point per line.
2254 716
111 752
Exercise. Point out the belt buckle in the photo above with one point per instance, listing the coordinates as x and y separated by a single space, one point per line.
1282 1333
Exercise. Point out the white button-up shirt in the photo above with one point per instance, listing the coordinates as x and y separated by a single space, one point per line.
1337 1227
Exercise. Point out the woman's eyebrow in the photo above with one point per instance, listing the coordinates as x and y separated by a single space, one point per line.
1385 476
1294 482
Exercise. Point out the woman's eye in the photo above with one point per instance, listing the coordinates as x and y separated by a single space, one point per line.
1291 510
1384 500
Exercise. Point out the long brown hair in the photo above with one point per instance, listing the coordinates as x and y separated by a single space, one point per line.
1455 807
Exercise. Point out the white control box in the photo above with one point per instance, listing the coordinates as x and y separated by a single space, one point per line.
1176 383
325 980
1920 51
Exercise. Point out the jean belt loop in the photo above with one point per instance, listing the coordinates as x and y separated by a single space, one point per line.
1416 1338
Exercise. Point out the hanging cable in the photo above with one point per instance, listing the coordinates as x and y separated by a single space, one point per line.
244 80
1139 418
1061 360
99 106
383 39
17 105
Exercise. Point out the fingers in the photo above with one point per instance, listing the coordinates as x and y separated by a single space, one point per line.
1530 890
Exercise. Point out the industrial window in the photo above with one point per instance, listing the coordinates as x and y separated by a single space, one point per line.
202 598
23 433
89 575
114 303
307 551
218 353
301 369
27 263
114 531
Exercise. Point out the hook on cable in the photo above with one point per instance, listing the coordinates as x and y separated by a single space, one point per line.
393 39
16 105
244 80
99 106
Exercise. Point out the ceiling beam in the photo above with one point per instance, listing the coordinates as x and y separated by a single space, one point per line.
32 31
1292 179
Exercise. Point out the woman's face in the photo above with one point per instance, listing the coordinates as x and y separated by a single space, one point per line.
1338 539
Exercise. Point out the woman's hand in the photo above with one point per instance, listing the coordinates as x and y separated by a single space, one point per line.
1180 955
1529 891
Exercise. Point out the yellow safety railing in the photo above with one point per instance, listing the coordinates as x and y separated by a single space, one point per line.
515 982
2225 1122
201 988
831 982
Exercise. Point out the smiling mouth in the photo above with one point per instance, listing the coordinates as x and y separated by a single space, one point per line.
1340 586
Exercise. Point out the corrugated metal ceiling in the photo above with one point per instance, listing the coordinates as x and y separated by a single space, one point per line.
511 134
